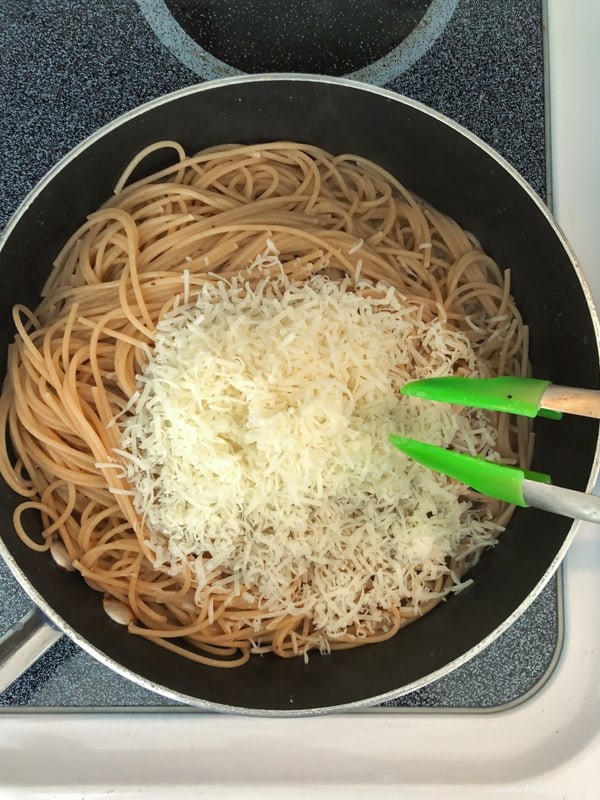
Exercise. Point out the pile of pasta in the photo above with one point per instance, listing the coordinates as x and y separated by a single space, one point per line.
200 405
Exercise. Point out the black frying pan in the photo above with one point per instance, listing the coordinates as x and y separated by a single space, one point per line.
461 176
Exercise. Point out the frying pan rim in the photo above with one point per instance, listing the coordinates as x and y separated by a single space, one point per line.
206 705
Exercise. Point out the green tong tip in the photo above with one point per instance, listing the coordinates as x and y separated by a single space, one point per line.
512 395
488 477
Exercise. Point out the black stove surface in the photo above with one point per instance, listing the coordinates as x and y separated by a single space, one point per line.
69 66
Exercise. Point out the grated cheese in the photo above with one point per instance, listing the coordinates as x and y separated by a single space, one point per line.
257 445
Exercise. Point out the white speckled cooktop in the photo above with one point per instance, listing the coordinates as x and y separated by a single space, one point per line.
70 66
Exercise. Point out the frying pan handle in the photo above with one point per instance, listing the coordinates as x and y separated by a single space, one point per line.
23 644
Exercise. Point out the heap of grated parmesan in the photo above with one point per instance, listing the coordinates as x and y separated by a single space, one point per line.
258 447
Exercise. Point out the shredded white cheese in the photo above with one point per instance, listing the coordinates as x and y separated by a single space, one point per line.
258 447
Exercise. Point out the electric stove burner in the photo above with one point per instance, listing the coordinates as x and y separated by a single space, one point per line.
336 36
371 39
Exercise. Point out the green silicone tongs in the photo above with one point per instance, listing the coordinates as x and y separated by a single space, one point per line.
523 396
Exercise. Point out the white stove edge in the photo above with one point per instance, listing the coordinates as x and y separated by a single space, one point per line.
546 747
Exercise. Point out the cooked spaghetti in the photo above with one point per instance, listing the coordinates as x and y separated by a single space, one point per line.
199 406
